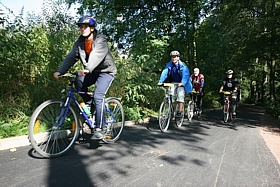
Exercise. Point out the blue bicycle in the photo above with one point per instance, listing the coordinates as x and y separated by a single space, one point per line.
56 124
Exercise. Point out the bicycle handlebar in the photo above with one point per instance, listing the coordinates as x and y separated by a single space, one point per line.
169 84
75 74
195 92
227 92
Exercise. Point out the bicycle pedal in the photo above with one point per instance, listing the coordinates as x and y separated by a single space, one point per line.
108 137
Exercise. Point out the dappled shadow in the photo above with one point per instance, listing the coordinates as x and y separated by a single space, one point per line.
98 163
247 116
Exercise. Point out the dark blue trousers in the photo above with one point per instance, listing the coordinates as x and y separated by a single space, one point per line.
102 83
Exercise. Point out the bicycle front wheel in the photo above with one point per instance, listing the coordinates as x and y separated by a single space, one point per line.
190 110
164 116
226 112
179 120
114 120
53 128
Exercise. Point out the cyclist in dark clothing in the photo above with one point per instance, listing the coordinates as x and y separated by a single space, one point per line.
230 83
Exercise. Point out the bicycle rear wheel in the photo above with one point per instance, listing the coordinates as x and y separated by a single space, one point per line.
226 112
53 128
114 120
164 116
179 120
190 110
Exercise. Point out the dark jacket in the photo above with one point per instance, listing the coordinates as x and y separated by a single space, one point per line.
99 60
229 84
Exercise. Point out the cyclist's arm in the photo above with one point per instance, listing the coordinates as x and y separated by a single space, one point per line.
165 73
235 85
186 81
221 89
201 81
69 60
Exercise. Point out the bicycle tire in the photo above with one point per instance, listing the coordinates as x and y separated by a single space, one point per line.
50 134
164 116
179 120
190 111
226 112
114 120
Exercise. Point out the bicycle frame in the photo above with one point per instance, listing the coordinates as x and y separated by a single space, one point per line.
70 96
56 123
227 100
227 106
168 108
192 105
170 97
194 99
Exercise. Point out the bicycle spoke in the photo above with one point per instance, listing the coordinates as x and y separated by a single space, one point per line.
51 131
164 116
114 120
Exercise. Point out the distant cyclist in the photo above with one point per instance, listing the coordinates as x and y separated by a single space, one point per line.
177 71
230 83
197 80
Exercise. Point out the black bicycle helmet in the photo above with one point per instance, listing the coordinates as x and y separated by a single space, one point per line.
174 53
228 72
86 20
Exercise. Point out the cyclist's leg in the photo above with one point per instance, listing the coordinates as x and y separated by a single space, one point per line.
83 82
180 99
199 102
102 85
233 102
226 111
191 96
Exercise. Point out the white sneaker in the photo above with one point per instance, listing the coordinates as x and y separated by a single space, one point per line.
98 134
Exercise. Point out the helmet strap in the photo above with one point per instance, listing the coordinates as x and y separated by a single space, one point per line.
86 37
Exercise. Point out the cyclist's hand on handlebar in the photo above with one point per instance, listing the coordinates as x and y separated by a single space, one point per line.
180 84
83 72
160 84
56 74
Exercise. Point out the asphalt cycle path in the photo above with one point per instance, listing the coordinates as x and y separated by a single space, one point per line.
206 152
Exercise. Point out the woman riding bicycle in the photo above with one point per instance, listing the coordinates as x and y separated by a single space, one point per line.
230 84
92 50
177 71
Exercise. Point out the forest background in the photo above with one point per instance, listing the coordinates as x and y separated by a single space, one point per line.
213 35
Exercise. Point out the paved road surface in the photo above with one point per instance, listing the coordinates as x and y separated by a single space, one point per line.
206 153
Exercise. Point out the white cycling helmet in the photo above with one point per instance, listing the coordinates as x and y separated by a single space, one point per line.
174 53
228 72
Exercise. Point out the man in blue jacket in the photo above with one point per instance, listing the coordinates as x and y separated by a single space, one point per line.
177 71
